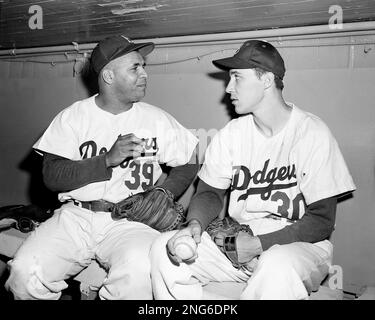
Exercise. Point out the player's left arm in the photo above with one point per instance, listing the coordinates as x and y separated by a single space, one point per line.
316 224
181 177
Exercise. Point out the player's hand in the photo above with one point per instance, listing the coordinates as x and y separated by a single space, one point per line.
127 146
194 230
248 247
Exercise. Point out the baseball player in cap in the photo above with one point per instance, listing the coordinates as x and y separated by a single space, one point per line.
284 172
97 152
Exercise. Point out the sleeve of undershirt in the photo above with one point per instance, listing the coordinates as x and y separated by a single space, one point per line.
61 174
206 204
316 225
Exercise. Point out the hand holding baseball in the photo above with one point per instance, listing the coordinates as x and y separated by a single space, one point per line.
191 235
185 247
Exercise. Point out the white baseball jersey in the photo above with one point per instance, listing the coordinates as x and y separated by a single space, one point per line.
276 175
83 130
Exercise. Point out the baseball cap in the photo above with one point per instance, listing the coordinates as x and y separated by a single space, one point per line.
252 54
114 47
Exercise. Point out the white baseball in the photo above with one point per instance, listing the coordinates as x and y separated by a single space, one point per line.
185 247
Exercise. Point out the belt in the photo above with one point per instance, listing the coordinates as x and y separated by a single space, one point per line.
96 205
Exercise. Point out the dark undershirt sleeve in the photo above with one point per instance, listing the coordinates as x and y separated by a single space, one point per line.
206 204
61 174
317 224
180 178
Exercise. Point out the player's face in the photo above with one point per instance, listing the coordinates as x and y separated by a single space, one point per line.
245 89
130 76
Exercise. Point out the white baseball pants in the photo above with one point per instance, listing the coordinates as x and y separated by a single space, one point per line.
289 271
67 242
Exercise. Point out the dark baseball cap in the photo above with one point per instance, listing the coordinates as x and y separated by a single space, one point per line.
115 47
252 54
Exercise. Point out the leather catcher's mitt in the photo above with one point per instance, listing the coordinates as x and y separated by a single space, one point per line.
155 207
226 231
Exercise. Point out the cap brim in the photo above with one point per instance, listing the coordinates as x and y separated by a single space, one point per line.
233 63
143 48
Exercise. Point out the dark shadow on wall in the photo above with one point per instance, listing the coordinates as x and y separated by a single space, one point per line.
37 192
224 77
89 79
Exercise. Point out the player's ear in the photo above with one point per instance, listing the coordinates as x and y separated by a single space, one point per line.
268 79
107 76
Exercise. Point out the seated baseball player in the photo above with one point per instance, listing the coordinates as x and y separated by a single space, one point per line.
283 171
98 152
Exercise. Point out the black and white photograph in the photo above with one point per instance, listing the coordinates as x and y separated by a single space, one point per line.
187 155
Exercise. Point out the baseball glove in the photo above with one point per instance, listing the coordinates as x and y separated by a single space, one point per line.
224 233
155 207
